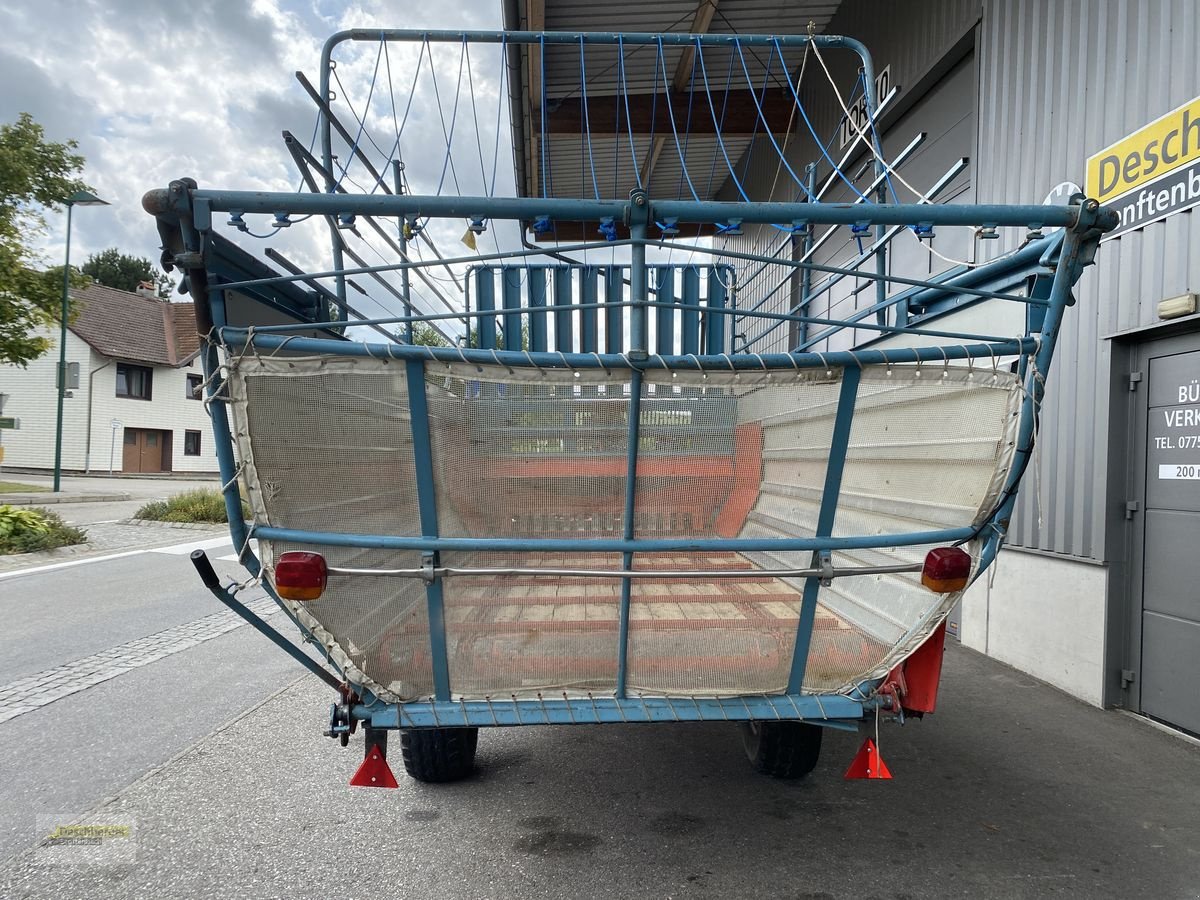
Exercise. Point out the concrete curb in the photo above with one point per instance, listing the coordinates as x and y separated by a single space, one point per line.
50 498
184 526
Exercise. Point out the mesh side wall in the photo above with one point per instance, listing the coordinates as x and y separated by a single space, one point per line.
327 446
529 459
525 634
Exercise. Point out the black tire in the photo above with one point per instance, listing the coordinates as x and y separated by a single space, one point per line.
437 755
782 749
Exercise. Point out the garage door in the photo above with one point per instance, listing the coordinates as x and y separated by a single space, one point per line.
1169 573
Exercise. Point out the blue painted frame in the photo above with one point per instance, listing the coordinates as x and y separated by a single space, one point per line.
215 266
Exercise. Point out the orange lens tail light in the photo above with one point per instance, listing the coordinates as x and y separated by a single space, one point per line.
300 575
947 569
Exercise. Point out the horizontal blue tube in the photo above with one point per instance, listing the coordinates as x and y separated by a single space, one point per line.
607 545
589 37
684 211
739 361
834 711
489 314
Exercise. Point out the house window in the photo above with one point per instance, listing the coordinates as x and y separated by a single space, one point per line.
195 387
191 443
134 381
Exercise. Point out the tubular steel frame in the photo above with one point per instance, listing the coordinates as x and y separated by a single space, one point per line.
214 267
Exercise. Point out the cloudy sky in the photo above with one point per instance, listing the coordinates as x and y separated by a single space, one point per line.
157 89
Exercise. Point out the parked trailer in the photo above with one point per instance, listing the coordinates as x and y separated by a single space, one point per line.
601 505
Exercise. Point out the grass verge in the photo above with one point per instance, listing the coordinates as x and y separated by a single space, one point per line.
26 529
200 505
16 487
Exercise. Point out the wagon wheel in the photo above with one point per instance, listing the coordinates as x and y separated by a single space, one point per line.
438 754
782 749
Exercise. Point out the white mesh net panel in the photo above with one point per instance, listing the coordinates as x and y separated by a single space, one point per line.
523 453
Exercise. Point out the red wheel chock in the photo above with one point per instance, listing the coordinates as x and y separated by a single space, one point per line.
867 763
374 771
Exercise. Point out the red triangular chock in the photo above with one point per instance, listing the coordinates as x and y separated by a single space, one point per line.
374 772
868 763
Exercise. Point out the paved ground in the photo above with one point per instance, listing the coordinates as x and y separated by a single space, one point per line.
110 666
1012 790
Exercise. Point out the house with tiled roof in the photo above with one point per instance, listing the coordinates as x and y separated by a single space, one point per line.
133 403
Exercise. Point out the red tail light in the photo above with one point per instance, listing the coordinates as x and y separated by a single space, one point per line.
947 569
300 575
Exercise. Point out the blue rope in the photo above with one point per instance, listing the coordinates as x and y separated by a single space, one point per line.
816 139
628 119
544 140
712 109
587 124
671 114
687 132
362 124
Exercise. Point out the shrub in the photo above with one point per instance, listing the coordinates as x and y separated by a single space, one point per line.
24 529
200 505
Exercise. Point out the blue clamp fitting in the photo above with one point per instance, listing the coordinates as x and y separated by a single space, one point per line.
668 227
282 220
608 228
801 228
477 225
987 233
733 227
924 231
345 221
236 221
542 225
859 229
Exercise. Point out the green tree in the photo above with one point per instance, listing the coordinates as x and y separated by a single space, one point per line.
35 175
118 270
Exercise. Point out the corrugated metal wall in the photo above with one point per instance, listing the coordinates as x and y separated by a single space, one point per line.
1059 81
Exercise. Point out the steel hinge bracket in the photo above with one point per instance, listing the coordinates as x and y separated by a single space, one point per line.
1131 508
1128 677
1134 379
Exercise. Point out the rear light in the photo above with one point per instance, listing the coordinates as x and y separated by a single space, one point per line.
300 575
947 569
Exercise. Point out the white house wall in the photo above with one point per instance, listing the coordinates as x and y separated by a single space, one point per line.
32 397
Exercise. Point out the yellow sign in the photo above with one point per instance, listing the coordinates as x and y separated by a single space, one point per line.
1166 144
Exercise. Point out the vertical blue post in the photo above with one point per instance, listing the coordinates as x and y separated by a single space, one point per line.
485 300
825 518
536 277
511 299
563 342
690 317
405 275
418 407
715 330
806 274
639 338
589 318
665 315
614 319
635 416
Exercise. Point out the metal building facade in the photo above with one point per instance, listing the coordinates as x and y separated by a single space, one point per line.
1056 81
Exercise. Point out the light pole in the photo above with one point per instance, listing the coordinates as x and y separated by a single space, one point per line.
79 198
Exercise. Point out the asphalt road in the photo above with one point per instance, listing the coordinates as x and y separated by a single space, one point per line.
129 698
171 682
1013 790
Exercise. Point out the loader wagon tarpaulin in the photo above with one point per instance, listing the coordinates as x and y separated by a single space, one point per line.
1152 173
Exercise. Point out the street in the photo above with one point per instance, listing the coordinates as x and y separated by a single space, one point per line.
129 698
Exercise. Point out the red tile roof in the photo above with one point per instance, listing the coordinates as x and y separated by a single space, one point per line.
126 325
